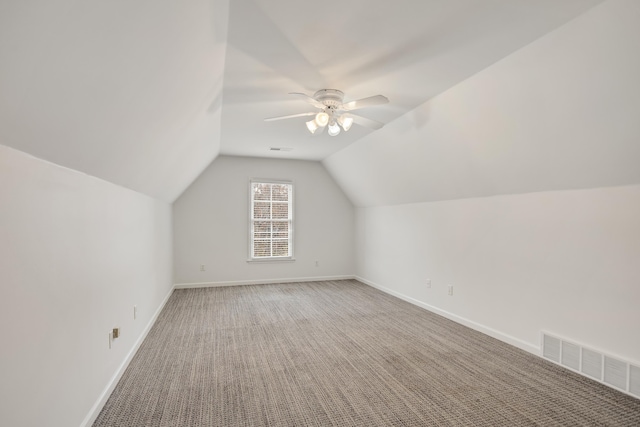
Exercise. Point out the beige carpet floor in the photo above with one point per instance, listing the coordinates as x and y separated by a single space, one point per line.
340 353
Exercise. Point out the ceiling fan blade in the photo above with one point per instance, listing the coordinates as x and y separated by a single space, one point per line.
309 99
291 116
364 102
363 121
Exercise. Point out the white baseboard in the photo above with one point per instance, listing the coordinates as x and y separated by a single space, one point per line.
97 407
458 319
259 282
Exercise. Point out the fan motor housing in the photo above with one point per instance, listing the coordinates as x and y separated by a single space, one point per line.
329 97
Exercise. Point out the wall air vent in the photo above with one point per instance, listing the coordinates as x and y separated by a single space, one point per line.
551 348
615 372
634 380
611 371
592 364
571 355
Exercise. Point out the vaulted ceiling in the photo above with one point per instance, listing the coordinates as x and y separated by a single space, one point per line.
147 93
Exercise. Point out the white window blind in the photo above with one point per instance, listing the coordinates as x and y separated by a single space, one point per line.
271 220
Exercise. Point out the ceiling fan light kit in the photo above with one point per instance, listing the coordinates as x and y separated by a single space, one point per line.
312 126
322 118
334 129
345 122
334 114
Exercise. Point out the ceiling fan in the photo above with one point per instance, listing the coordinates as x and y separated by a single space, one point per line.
334 114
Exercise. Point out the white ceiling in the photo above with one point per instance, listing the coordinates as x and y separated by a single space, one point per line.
407 50
559 114
147 93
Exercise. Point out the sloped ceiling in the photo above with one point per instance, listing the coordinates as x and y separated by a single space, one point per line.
146 94
558 114
407 50
128 91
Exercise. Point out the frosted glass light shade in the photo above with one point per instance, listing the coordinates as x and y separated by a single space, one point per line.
334 129
322 119
346 122
312 126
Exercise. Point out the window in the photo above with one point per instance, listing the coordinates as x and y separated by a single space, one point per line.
271 221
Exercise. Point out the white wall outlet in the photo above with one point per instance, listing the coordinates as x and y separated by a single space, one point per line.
135 312
450 289
428 282
201 267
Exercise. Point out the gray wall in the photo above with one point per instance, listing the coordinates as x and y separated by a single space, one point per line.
495 187
76 254
211 224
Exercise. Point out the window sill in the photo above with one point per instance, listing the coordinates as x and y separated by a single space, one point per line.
270 260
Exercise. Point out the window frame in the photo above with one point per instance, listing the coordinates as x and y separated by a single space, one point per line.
252 220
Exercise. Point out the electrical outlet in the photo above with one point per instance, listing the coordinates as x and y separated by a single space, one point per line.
201 267
450 289
428 283
115 333
135 312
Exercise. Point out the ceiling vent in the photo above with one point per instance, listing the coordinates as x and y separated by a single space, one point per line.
608 370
